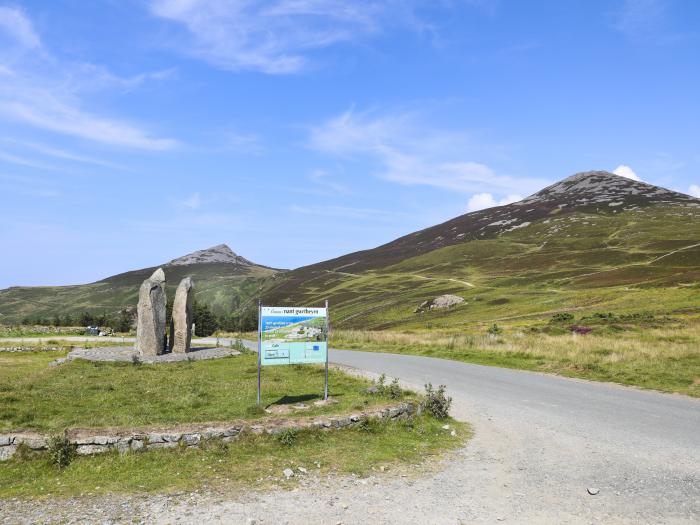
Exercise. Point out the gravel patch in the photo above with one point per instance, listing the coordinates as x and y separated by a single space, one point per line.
127 353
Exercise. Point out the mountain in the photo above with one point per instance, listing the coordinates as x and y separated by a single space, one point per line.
221 279
592 241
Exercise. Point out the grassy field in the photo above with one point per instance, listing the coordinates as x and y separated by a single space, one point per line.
662 355
252 462
90 394
85 394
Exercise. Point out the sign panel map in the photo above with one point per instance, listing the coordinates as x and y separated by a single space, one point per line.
293 335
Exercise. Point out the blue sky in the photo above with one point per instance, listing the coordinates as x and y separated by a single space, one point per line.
133 132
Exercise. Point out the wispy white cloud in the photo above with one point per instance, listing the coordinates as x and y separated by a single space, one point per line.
280 36
271 37
52 114
42 91
60 153
625 171
18 27
482 201
22 161
409 152
646 21
694 190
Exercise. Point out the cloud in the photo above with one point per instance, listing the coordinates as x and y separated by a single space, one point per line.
270 37
279 36
481 201
694 190
646 21
54 115
193 202
408 152
625 171
44 92
15 24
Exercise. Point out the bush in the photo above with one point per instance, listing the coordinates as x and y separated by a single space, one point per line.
393 391
436 403
562 317
287 436
494 330
61 451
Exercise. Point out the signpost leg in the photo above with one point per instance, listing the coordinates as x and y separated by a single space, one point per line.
325 389
259 343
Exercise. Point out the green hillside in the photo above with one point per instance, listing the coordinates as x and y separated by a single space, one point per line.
220 284
568 253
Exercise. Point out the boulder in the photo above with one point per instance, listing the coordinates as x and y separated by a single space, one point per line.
150 328
181 322
443 301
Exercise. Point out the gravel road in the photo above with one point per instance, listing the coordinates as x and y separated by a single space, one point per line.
540 443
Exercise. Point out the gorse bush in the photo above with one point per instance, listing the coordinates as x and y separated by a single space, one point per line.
436 403
61 451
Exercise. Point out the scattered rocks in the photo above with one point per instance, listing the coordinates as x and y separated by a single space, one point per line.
288 473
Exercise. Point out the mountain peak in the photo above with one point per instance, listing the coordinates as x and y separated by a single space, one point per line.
590 188
220 253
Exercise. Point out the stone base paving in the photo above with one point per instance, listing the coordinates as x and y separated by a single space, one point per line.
127 353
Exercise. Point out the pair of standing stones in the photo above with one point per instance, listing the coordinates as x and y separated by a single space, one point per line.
150 327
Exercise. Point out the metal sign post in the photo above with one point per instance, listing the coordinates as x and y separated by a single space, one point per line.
259 343
328 336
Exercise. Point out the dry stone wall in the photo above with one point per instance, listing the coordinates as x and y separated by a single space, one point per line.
91 441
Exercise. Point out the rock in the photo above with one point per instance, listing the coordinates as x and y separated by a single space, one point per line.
150 327
302 470
181 322
446 427
7 452
372 390
453 433
593 491
440 302
5 440
87 450
288 473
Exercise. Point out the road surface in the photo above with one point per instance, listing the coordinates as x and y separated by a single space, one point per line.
540 442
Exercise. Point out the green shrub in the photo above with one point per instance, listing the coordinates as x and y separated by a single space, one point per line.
287 436
494 330
562 317
61 451
393 391
436 403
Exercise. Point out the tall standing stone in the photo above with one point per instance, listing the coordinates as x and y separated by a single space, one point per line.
181 321
150 327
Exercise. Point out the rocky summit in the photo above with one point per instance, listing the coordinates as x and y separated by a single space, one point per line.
220 253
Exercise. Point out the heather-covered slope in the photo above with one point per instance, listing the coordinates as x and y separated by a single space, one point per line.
593 241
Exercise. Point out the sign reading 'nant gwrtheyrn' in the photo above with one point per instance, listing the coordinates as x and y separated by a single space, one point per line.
293 335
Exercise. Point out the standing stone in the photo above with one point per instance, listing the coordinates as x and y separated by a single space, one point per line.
150 327
181 322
